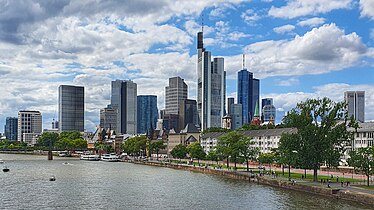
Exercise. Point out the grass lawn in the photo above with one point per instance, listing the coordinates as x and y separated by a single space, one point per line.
371 187
309 177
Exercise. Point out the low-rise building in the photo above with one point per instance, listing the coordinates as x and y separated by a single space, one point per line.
186 136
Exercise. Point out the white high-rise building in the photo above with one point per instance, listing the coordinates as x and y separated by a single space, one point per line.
211 87
28 122
356 104
124 99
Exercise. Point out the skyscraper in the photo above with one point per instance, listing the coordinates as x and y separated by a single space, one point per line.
174 94
108 118
268 111
356 104
236 116
147 113
124 99
211 87
29 122
230 102
188 113
71 108
248 93
10 128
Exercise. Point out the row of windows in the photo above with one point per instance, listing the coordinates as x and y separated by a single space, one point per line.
364 134
368 142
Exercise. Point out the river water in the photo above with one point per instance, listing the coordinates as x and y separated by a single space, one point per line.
104 185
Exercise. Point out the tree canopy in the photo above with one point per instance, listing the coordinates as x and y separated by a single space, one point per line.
156 147
196 151
363 159
321 137
135 145
179 151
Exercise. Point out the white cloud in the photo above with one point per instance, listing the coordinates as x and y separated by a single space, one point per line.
367 8
297 8
318 51
250 16
284 29
289 82
312 22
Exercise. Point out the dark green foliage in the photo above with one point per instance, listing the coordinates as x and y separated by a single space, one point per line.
135 146
196 151
156 147
363 159
179 151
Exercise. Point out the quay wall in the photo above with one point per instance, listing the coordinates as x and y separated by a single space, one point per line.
363 198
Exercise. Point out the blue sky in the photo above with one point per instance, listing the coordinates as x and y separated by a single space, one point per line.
299 49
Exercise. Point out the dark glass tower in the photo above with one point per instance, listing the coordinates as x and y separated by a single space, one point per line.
71 108
248 94
10 130
147 113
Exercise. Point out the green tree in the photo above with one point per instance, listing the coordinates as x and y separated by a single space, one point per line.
156 147
213 156
179 151
228 147
246 150
363 159
48 139
135 145
196 151
321 137
215 129
266 158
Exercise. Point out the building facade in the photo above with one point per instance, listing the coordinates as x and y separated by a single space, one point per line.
211 87
71 108
10 128
248 94
108 118
236 116
147 113
175 93
124 99
356 104
28 122
188 113
268 111
230 102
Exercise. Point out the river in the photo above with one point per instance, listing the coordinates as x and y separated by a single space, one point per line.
104 185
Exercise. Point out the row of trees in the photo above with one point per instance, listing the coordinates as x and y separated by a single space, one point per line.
138 145
68 140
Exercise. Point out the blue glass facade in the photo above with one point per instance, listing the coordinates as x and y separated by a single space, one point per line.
147 113
248 94
11 126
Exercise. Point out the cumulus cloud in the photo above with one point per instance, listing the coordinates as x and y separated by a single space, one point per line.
288 82
367 8
298 8
250 16
284 29
312 22
320 50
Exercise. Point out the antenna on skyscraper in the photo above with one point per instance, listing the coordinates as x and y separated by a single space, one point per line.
243 60
202 22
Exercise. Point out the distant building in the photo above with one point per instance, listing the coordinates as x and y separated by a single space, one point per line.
230 102
268 111
188 113
108 118
236 115
10 128
171 122
186 136
363 138
29 122
147 113
71 108
248 94
211 87
55 124
124 99
356 104
175 93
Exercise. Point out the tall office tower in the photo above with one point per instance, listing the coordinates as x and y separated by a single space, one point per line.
124 99
230 102
248 94
71 108
174 94
10 128
268 111
54 124
108 118
147 113
29 122
188 113
236 116
356 104
211 87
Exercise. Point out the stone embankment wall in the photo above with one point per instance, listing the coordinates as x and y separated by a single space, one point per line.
335 193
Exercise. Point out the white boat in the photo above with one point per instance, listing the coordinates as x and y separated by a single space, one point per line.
89 156
1 161
64 154
110 157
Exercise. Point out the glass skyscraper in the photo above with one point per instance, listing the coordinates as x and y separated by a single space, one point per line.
10 128
71 108
248 94
268 110
147 113
356 104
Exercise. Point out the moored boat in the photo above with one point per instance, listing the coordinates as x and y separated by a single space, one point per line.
89 156
110 157
5 169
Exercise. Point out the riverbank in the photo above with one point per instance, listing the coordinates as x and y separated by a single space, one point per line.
348 194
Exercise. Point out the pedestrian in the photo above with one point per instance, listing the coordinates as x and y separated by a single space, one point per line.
348 183
302 176
337 178
342 183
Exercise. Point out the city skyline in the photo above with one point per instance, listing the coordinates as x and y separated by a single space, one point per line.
84 44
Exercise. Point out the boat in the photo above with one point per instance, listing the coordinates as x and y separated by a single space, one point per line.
110 157
6 169
89 156
1 161
52 178
64 154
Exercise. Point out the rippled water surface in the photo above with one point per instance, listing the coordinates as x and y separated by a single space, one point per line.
103 185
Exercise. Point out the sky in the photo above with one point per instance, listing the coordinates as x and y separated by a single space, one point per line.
299 49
